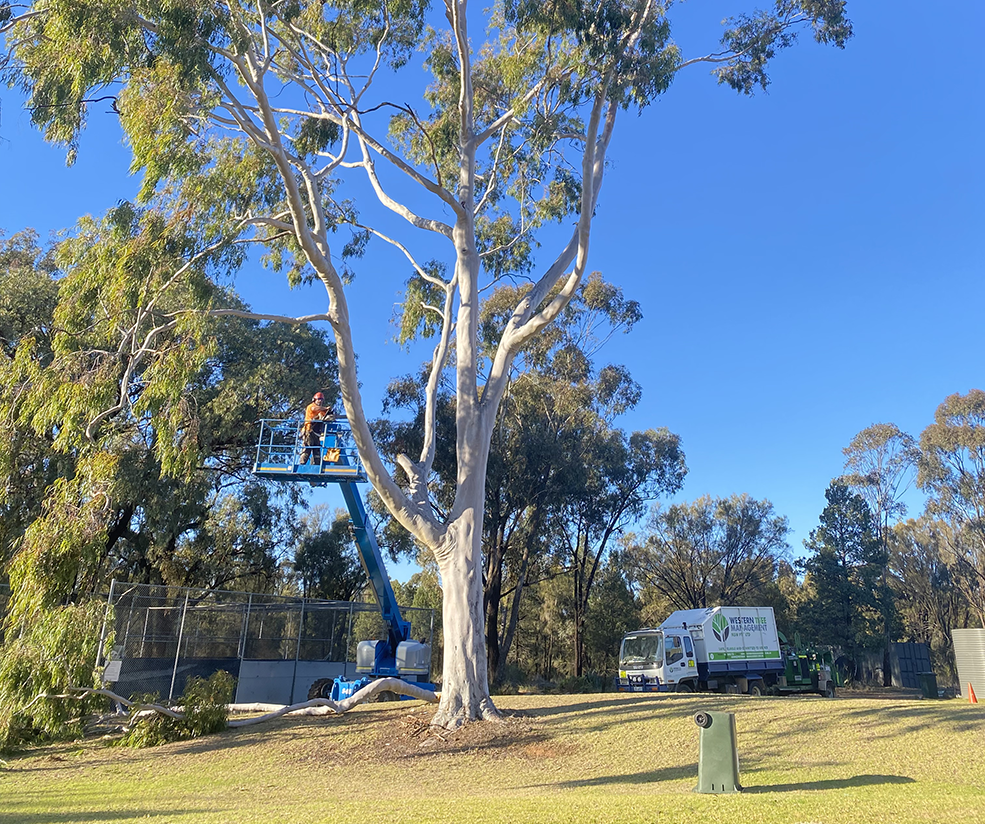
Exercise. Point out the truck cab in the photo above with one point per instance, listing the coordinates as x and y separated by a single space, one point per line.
654 660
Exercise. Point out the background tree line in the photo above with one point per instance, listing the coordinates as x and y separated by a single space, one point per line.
153 484
868 576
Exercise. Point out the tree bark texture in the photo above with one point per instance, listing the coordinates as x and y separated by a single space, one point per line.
465 680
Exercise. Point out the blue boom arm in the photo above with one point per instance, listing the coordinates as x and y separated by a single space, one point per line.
397 628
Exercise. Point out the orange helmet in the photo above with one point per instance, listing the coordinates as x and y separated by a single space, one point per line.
318 396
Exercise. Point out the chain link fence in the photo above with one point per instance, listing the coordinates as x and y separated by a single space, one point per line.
276 646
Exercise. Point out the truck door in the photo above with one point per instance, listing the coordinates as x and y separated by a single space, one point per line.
677 664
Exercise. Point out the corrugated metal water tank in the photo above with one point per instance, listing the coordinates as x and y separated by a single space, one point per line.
969 655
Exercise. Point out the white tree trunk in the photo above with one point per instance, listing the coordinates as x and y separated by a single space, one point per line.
465 678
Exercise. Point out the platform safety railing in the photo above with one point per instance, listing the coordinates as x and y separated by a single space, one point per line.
281 452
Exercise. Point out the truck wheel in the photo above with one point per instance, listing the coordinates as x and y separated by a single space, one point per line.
757 688
685 686
322 688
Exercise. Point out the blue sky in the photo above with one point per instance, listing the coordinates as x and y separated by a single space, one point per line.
809 261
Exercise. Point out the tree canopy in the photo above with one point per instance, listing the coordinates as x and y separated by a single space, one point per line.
844 568
327 561
250 122
880 462
952 470
127 438
712 552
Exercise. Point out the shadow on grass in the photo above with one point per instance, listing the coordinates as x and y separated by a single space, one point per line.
621 708
676 708
917 716
832 784
93 816
618 699
678 773
100 753
60 757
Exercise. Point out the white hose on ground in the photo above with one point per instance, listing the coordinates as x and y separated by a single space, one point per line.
326 706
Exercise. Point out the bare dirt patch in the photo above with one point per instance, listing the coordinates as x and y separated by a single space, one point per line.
412 735
408 735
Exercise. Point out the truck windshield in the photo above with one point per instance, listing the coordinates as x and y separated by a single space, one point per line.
642 649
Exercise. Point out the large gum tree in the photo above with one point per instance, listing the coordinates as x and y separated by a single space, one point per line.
286 122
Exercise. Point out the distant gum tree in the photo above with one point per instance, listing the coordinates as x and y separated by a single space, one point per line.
259 119
880 463
929 602
712 552
952 473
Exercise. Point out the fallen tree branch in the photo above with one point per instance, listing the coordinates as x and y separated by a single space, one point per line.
84 692
316 706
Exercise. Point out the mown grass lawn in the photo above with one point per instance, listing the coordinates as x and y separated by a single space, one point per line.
596 758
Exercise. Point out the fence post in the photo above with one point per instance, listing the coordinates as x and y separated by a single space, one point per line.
333 633
102 631
177 652
126 635
246 628
143 637
348 640
431 643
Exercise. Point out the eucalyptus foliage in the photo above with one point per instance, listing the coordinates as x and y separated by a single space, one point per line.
327 560
952 472
204 709
40 658
880 462
712 552
126 435
929 597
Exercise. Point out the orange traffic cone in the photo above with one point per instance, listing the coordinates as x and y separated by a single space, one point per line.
972 698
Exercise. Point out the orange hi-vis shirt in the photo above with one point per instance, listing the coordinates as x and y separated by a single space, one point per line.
313 413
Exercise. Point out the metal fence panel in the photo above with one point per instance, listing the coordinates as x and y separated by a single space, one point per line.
162 636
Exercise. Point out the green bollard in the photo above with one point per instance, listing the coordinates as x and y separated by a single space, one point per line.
718 755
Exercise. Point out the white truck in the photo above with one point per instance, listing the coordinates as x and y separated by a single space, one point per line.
721 649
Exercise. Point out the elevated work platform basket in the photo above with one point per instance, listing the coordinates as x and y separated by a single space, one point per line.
283 455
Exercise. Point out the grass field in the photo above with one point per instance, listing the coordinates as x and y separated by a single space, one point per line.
594 758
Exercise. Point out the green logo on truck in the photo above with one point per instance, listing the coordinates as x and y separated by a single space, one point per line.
719 626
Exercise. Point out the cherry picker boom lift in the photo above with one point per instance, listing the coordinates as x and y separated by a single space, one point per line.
282 456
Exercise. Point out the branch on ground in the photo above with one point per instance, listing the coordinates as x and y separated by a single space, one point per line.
316 706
